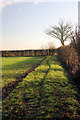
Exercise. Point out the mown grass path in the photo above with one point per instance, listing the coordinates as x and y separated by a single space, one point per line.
44 93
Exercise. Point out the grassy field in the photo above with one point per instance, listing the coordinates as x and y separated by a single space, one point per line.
44 93
12 67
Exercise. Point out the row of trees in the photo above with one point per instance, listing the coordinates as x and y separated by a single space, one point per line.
28 52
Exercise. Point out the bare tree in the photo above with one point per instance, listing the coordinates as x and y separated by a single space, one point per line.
43 47
63 32
51 45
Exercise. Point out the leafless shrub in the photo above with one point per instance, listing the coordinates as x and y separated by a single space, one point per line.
75 42
68 56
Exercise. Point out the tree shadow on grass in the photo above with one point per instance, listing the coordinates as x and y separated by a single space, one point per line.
32 96
40 103
22 64
73 80
18 78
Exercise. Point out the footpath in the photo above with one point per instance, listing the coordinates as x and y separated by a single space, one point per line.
46 92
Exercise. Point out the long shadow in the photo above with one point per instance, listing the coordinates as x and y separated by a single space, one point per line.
15 71
73 80
57 69
42 90
9 88
41 84
27 99
21 64
33 110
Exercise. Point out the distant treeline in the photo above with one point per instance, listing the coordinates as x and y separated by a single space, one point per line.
27 52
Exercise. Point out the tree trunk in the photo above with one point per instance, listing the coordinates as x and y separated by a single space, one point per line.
63 43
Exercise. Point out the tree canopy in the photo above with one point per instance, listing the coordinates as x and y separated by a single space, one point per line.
63 31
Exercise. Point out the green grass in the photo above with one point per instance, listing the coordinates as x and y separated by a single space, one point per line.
44 93
12 67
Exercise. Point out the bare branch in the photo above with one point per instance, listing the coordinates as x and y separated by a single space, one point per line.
61 32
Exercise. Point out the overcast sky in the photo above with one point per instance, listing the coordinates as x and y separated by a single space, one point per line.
24 23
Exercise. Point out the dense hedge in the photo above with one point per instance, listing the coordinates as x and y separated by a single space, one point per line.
69 58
